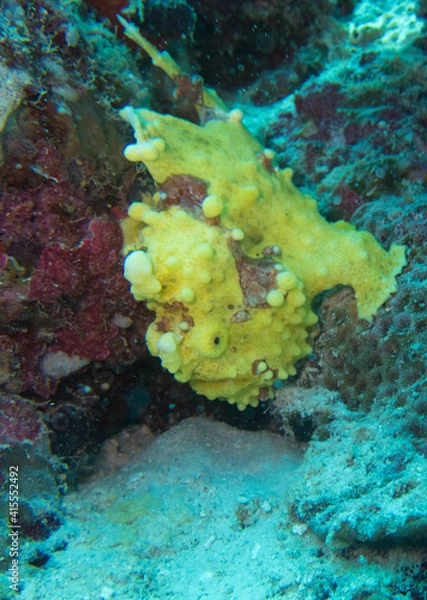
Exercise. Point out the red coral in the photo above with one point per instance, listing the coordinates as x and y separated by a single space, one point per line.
109 8
58 273
183 190
320 104
69 271
60 251
18 420
13 301
91 273
346 202
89 334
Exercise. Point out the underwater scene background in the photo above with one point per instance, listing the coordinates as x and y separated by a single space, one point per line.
211 386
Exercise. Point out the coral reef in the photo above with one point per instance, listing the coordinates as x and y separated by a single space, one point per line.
334 506
60 245
349 137
359 402
24 443
68 325
361 482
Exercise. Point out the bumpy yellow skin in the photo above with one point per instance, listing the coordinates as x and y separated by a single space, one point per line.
185 265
